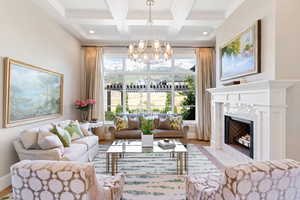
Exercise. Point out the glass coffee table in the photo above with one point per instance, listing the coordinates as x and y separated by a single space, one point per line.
120 148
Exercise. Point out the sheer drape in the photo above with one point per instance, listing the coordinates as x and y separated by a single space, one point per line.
205 80
93 80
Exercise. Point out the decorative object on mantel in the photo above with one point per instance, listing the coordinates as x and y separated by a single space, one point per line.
242 56
84 106
147 136
31 93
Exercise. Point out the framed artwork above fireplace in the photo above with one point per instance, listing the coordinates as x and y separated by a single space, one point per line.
242 55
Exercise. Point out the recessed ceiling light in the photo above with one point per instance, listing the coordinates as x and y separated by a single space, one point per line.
205 33
91 31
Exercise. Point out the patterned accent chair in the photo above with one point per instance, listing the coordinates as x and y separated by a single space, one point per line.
271 180
64 180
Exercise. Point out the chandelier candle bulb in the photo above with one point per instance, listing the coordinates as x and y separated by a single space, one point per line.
150 50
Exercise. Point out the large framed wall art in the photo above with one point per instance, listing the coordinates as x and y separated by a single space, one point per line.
242 55
30 93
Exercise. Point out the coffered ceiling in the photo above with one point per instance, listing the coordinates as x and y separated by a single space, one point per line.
120 21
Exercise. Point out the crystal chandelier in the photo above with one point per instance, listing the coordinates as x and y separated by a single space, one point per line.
150 50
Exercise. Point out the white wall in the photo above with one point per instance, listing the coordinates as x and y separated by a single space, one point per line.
28 35
240 20
287 39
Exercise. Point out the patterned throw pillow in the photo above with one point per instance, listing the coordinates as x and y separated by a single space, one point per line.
175 123
121 123
63 135
74 130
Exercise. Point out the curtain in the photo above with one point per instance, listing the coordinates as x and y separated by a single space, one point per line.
92 80
205 80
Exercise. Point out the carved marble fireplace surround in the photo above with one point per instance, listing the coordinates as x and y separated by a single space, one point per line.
262 102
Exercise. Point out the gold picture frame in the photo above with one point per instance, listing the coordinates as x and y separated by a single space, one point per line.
247 59
31 93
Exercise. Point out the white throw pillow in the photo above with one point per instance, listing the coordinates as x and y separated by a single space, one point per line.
29 138
48 140
85 129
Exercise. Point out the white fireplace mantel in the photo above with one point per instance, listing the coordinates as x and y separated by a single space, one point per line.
262 102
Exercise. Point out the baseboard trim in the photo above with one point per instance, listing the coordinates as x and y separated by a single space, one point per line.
5 182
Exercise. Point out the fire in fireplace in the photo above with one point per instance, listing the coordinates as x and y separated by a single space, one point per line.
239 134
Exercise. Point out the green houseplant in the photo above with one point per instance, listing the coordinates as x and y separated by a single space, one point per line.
147 134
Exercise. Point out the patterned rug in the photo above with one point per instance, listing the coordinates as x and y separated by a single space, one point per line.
152 176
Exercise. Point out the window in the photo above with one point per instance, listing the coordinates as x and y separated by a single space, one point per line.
163 87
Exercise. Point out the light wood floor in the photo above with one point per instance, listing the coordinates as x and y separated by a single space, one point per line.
202 143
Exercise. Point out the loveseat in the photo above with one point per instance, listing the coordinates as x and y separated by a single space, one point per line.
161 129
269 180
82 149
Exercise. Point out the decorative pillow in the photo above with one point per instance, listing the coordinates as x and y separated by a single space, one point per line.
63 135
29 138
74 130
121 123
85 129
133 123
164 123
48 140
175 123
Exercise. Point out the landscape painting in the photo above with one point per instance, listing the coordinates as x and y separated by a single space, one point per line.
31 93
241 56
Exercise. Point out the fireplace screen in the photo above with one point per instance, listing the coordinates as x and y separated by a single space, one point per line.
239 134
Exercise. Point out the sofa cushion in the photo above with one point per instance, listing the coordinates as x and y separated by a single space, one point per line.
85 129
133 123
121 123
29 138
128 134
74 151
175 123
74 130
63 135
90 141
161 133
164 123
48 140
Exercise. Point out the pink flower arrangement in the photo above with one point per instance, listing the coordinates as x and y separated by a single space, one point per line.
84 104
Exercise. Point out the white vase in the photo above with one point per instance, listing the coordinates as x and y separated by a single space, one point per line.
147 140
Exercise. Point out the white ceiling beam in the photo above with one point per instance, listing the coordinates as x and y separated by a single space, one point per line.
180 10
136 22
119 11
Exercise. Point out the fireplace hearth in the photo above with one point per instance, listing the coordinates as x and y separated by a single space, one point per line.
239 134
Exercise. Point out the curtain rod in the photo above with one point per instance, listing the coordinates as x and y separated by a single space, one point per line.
123 46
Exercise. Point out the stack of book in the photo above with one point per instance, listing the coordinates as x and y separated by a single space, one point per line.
166 144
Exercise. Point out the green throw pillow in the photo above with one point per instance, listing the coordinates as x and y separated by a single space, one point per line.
63 135
74 131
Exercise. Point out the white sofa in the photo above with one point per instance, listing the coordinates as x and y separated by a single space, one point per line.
80 150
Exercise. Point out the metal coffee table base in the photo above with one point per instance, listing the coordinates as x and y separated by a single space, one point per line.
181 162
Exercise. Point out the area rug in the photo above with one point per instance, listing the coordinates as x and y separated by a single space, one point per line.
152 176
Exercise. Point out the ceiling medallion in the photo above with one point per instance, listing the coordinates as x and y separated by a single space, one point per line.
150 50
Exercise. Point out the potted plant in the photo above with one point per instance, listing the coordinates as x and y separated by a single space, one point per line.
84 106
147 134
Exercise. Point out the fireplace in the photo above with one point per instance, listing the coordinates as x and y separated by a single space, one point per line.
239 134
